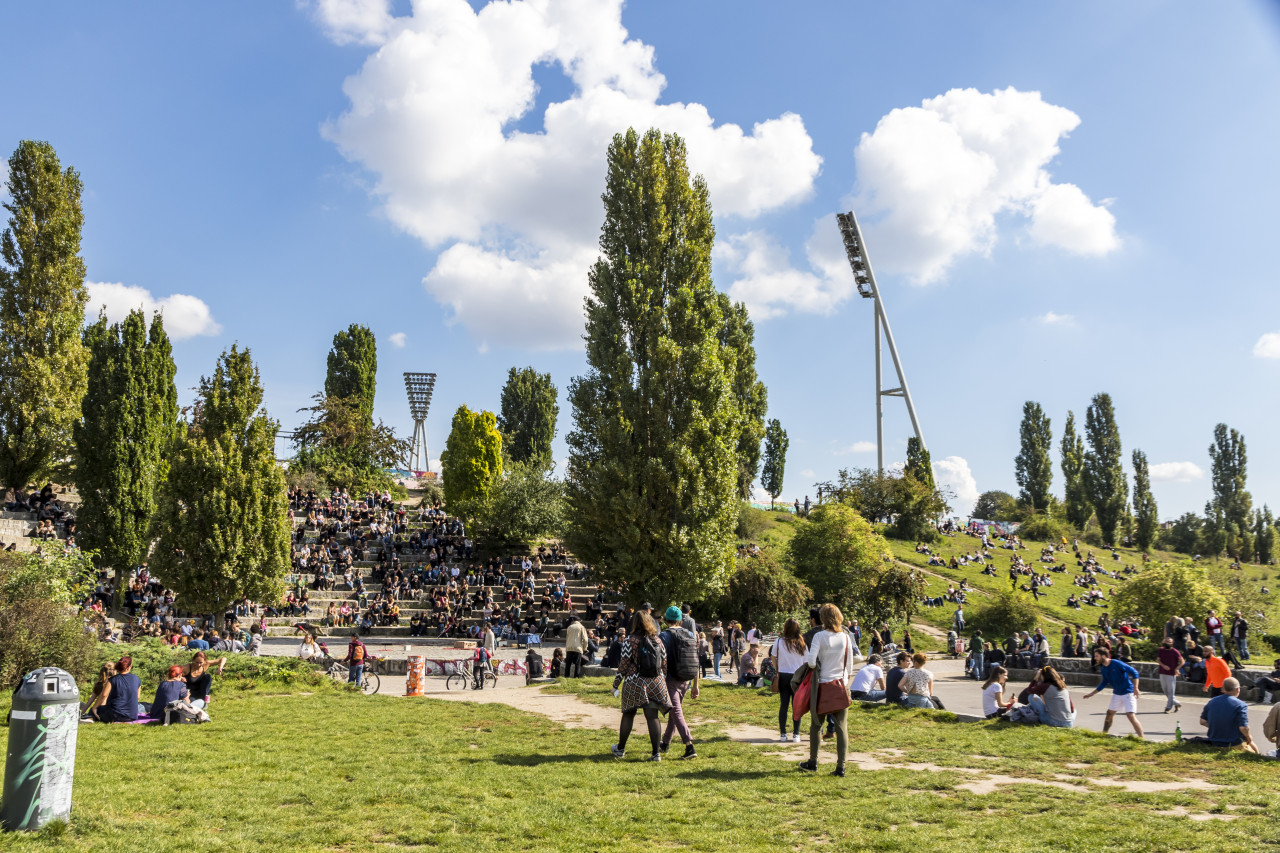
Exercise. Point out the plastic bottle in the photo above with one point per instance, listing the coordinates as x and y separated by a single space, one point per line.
1177 733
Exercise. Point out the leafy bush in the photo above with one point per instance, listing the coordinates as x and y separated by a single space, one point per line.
39 625
763 592
523 503
1044 528
1168 589
1003 614
751 522
153 657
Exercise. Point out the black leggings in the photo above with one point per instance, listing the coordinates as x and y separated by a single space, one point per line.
784 706
650 720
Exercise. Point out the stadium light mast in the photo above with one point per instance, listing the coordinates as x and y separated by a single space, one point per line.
419 386
856 248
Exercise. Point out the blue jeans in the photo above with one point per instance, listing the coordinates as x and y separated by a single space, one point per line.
979 666
1218 643
915 700
715 662
870 696
355 673
1242 646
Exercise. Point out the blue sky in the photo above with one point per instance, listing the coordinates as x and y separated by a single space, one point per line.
1059 199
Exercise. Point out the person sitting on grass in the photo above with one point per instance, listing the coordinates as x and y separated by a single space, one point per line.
200 680
121 698
917 683
98 694
173 688
308 650
749 667
869 684
1226 717
1053 705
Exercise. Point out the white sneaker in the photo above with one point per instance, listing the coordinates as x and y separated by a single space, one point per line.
795 738
784 739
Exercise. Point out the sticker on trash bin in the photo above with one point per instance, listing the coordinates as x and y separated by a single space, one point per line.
23 715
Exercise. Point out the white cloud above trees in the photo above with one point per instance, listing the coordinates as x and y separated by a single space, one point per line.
516 213
185 316
1176 472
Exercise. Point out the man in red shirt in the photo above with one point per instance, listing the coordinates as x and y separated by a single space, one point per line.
1170 660
1214 626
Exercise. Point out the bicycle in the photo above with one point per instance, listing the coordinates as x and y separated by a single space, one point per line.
370 683
465 679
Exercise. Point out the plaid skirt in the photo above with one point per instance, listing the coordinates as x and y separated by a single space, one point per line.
639 692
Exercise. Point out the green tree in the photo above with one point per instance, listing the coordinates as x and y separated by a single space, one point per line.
653 467
343 447
122 441
1146 516
524 504
1003 614
471 462
737 347
1231 505
39 625
527 416
1168 589
43 362
1071 451
996 505
843 560
1264 535
1103 475
1184 535
775 459
918 464
353 367
1033 465
221 516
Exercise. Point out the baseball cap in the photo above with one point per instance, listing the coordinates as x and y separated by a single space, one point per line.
646 606
673 614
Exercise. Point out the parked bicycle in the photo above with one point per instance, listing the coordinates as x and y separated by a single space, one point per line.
466 679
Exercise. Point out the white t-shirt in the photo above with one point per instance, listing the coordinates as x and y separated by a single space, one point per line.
788 661
827 656
989 694
865 680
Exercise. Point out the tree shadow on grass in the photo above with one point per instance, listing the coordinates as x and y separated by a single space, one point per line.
526 760
719 774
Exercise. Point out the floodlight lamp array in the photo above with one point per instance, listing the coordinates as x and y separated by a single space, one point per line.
857 254
419 387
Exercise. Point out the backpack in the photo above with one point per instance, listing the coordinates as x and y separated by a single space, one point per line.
535 665
182 711
647 663
357 654
684 655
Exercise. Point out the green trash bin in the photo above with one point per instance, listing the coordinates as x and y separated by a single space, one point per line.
42 750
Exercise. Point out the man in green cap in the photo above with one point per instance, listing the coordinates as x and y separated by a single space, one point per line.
681 647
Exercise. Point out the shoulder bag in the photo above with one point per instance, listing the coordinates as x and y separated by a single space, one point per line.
833 696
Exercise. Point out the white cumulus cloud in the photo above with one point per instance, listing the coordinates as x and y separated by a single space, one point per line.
1268 346
185 316
857 447
953 473
517 213
808 474
932 179
764 278
397 339
1176 472
1053 319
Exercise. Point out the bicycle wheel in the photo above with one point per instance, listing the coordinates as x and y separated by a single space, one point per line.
371 683
492 678
457 681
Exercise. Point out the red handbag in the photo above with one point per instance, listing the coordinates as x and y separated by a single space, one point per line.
800 699
834 695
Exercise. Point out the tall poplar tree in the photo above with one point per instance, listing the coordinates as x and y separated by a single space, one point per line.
471 461
221 516
653 464
1146 516
43 361
1264 535
775 459
123 439
1103 475
737 341
527 415
918 464
1229 511
353 367
1033 465
1071 452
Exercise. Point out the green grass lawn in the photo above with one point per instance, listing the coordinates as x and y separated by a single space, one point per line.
334 772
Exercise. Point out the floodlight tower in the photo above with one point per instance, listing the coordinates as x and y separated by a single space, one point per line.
419 386
856 248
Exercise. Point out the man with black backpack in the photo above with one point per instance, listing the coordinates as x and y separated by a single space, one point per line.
681 647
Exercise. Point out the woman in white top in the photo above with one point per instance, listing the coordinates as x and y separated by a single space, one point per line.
308 650
788 654
831 659
917 683
993 703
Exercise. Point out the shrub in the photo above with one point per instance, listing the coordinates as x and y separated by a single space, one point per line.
763 592
39 625
751 522
1045 528
1168 589
1002 614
